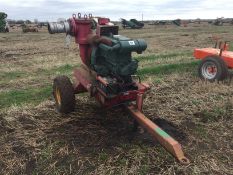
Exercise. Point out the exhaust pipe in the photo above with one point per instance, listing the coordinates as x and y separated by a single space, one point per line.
59 27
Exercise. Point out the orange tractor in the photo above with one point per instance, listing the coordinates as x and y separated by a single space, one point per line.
215 61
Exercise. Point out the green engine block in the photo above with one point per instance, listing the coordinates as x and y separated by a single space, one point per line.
117 59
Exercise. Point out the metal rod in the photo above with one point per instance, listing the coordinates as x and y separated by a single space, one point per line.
139 101
220 53
170 144
220 45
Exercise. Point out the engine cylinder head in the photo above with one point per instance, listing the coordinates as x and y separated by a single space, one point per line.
59 27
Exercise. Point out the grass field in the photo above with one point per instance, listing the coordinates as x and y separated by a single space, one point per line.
35 139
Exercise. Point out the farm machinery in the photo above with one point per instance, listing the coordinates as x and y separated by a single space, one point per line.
177 22
27 28
133 24
3 23
107 73
215 61
141 24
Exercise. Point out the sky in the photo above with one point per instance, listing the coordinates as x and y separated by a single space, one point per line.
51 10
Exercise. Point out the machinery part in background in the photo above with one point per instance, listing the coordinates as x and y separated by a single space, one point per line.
159 22
222 21
7 29
26 28
107 73
99 20
3 15
215 61
130 24
137 22
218 22
4 27
63 93
61 27
177 22
212 68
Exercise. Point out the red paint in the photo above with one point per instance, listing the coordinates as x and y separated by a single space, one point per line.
83 84
81 28
103 21
83 77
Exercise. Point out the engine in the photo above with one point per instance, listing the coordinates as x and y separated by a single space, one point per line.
114 57
104 51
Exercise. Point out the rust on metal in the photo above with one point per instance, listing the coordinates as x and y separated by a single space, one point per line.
139 101
170 144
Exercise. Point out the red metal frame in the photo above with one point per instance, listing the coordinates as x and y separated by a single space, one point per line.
85 79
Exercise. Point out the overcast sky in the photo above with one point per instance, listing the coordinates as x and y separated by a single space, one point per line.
151 9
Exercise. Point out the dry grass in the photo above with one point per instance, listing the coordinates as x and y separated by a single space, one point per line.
36 139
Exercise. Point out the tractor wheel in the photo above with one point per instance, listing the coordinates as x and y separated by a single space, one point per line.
213 68
63 93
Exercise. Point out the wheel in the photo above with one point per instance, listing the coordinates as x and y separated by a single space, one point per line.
63 93
213 68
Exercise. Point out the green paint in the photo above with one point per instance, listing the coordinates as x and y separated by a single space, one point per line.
161 132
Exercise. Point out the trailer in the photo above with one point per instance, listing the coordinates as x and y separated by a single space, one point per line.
107 73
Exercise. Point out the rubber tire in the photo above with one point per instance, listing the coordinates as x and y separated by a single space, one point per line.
66 89
222 70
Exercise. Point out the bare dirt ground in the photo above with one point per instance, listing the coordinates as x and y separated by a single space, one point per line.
35 139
